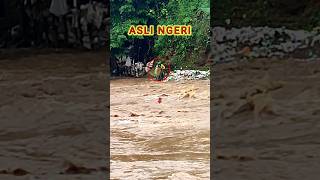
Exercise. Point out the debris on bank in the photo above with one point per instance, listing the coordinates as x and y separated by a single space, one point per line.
178 75
127 67
259 42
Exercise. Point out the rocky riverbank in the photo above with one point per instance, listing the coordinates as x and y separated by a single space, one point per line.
178 75
263 42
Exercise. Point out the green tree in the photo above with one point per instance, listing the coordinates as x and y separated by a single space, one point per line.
186 49
125 13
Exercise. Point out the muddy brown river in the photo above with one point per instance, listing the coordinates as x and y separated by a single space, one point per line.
282 141
53 115
54 126
166 140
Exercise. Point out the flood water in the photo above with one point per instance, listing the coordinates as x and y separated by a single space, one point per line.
53 116
166 140
53 122
282 141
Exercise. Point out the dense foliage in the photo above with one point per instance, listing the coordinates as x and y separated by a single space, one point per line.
184 50
293 14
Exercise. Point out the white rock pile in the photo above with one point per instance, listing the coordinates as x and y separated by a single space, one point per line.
226 44
178 75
